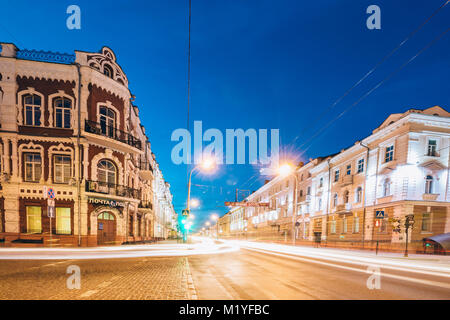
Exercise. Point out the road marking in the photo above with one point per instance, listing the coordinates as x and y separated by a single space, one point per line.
387 275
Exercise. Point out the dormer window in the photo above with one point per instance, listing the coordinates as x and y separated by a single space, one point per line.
107 71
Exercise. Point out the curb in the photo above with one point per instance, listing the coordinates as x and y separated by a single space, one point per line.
192 292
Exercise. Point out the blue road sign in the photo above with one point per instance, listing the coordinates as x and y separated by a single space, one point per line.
51 193
379 214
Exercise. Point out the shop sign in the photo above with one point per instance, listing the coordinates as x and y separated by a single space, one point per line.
107 202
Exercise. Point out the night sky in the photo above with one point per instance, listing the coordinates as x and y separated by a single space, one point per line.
254 64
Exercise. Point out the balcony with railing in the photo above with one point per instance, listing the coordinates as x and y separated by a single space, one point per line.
146 170
145 204
112 189
111 132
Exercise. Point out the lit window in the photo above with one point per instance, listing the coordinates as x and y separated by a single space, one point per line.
344 224
426 222
32 105
356 224
336 176
429 184
389 155
33 167
63 107
34 219
432 144
63 169
360 165
63 221
333 227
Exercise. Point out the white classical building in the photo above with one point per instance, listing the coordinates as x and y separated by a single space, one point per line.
401 169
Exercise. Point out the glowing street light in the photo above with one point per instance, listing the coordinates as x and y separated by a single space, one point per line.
284 171
195 203
207 223
214 217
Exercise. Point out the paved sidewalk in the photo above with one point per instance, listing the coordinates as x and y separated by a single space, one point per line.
124 279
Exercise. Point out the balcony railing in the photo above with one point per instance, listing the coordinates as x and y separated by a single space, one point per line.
111 132
145 204
112 189
145 165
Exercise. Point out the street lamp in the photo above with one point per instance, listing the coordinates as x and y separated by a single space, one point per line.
207 164
285 171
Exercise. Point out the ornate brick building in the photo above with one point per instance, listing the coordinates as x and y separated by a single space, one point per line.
68 122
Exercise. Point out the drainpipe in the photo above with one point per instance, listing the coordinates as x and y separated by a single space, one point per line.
79 152
448 176
364 195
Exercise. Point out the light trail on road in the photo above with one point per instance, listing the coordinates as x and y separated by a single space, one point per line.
203 247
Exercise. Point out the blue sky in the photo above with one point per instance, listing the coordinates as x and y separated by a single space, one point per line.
255 64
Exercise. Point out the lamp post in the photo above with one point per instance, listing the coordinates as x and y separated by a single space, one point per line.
207 164
215 217
287 170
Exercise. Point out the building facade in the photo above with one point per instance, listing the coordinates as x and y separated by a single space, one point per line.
400 170
68 124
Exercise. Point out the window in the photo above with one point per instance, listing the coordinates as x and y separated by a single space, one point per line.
356 224
320 204
107 121
336 176
429 184
389 155
432 145
349 170
335 200
33 167
333 226
358 194
321 183
287 183
301 193
62 168
32 108
63 221
107 71
344 224
346 196
387 188
426 222
106 172
34 219
360 165
308 191
63 108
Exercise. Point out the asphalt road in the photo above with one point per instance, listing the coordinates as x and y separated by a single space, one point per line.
255 271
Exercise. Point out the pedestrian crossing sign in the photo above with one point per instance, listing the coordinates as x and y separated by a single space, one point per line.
185 212
379 214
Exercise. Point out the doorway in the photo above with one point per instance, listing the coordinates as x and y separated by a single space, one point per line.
106 228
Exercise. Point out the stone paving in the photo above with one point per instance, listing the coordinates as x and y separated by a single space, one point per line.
116 279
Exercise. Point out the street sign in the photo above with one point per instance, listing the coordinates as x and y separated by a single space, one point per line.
50 202
379 214
185 212
51 194
51 211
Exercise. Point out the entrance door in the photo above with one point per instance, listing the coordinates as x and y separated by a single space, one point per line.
106 228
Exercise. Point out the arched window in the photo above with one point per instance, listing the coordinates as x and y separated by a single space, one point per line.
63 108
358 194
32 109
106 172
387 187
105 216
335 200
346 196
107 121
429 184
107 71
